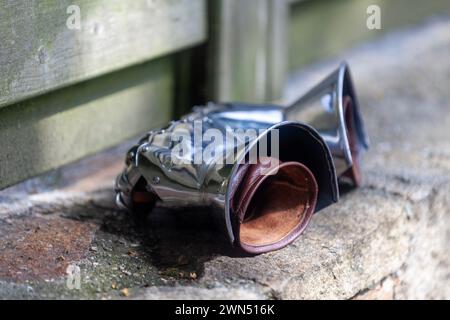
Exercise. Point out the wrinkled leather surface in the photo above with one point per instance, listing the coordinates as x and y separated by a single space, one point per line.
271 211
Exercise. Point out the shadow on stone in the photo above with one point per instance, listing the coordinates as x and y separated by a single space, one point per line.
175 242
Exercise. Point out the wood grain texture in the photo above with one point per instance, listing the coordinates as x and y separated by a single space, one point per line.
54 129
39 53
248 49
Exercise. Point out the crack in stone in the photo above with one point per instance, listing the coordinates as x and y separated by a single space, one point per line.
378 284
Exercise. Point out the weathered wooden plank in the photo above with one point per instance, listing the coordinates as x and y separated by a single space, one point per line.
320 29
56 128
39 52
248 49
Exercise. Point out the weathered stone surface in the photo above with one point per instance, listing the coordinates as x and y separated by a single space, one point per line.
388 239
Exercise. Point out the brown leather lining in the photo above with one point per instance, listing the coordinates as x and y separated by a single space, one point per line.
143 197
272 210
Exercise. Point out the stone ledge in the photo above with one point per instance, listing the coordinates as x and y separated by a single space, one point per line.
388 239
